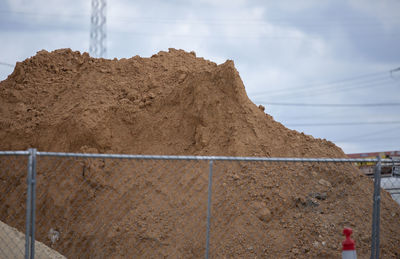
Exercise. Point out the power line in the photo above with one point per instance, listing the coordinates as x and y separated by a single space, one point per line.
6 64
368 140
366 136
283 21
394 70
44 14
333 89
336 87
334 82
334 104
223 22
361 79
344 123
313 115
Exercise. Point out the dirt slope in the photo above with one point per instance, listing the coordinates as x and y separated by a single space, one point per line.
177 104
12 245
172 103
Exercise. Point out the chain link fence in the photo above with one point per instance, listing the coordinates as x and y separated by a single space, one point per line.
101 206
391 180
13 200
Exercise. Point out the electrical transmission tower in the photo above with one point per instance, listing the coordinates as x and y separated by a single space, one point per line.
98 29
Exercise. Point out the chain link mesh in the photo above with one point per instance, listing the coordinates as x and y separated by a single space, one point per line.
94 207
288 209
391 179
13 186
102 207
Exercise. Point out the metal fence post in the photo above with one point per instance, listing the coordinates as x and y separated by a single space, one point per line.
28 205
376 211
33 201
209 209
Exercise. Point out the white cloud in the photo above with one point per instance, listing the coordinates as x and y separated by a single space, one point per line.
223 3
386 11
59 7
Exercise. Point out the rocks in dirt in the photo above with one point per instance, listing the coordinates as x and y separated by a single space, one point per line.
262 211
264 214
173 104
319 196
324 183
306 202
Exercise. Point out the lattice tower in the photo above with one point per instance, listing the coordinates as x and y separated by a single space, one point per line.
98 29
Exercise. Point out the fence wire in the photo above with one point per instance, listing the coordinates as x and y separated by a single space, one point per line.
13 189
288 209
391 179
102 206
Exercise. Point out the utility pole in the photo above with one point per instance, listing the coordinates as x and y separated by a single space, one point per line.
393 71
98 29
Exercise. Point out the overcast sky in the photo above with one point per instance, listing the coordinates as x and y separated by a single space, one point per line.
287 53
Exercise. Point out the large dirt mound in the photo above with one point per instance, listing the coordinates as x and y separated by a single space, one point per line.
171 103
177 104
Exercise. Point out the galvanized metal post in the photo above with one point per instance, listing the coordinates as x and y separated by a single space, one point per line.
33 201
28 206
376 211
209 209
378 207
98 33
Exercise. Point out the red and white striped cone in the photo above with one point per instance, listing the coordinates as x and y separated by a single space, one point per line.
348 245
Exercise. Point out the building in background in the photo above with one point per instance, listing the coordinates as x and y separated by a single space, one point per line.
390 171
387 169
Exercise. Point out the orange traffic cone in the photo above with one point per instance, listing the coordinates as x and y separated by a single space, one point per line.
348 245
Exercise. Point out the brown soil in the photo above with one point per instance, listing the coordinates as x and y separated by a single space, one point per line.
175 104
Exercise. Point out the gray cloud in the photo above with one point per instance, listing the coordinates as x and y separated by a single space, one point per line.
275 45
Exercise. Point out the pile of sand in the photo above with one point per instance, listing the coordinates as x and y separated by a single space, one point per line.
171 103
177 104
12 245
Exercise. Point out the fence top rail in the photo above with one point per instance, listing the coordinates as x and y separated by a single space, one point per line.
215 158
14 153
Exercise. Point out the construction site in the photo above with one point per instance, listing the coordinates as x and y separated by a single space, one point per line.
173 103
167 157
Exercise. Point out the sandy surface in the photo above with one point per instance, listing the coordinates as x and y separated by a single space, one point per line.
12 245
